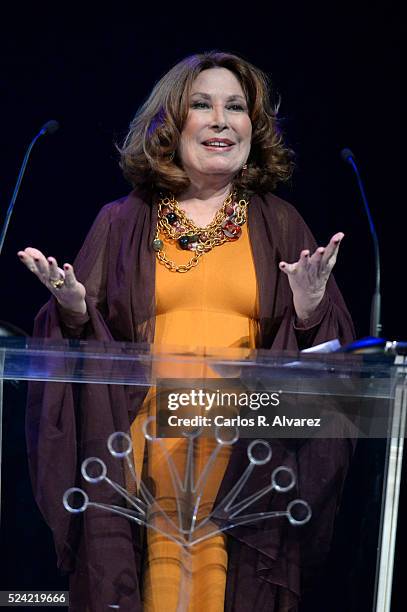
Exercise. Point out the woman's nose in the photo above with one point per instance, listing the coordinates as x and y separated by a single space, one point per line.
219 119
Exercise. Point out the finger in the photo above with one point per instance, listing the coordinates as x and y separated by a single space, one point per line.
70 278
54 272
298 266
35 261
28 261
304 258
332 248
35 254
316 257
287 267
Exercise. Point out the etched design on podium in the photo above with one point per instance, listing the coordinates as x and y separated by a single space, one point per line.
185 526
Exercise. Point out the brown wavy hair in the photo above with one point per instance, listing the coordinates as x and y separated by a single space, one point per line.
148 154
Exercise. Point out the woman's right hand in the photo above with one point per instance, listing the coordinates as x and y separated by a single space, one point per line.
70 293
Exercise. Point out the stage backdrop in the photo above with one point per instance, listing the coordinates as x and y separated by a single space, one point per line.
335 65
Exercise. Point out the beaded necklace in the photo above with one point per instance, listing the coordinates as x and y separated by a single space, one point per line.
175 226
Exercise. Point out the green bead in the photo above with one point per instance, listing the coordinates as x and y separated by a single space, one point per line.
157 244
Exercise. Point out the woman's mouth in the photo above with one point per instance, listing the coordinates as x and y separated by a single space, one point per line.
218 144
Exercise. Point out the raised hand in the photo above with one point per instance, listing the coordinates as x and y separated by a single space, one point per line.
61 282
308 276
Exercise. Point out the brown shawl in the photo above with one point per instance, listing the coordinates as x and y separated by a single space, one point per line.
67 423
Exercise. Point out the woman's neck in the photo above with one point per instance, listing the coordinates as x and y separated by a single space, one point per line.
201 203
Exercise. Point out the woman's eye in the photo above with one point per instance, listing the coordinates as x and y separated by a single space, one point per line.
200 105
231 107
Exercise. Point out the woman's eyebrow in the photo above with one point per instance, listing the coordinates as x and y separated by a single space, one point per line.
208 96
201 93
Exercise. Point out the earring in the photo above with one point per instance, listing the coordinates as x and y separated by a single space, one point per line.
171 156
244 169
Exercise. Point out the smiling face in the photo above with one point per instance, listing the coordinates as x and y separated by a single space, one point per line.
217 134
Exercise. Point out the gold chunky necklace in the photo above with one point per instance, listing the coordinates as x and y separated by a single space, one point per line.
175 226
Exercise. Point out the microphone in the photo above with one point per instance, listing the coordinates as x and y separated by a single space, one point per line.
375 310
48 128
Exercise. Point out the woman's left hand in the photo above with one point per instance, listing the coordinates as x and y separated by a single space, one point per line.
308 276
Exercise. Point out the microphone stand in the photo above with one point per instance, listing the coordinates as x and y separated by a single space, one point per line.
49 128
8 329
375 309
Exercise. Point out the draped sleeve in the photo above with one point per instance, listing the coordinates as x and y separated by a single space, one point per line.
272 563
67 423
51 419
279 233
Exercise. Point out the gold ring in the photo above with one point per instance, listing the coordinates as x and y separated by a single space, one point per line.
57 284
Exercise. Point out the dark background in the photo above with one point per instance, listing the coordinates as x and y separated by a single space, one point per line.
336 65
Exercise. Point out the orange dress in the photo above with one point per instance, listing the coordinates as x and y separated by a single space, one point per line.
212 305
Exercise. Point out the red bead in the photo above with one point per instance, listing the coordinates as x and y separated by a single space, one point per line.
231 230
229 210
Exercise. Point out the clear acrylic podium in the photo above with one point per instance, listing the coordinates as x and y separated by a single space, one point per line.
360 399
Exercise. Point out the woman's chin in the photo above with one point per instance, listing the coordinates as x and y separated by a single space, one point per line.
220 169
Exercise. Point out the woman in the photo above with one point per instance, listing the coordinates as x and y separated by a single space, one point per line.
200 253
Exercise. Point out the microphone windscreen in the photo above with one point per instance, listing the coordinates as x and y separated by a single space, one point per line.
346 154
50 127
